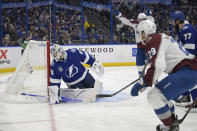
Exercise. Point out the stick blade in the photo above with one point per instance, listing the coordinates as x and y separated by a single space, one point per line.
104 95
180 121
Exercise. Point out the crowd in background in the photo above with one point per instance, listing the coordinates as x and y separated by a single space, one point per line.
41 27
161 14
68 23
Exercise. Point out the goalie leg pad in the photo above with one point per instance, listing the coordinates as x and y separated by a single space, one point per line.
53 94
98 85
86 95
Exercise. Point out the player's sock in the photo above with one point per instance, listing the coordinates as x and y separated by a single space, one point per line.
165 115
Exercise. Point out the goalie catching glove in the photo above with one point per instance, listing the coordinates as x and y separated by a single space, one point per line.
98 68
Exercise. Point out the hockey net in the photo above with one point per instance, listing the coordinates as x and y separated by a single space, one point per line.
29 83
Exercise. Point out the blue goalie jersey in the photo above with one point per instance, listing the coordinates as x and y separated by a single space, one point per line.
188 36
70 70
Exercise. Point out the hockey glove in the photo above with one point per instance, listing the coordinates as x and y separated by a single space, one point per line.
98 68
116 13
139 86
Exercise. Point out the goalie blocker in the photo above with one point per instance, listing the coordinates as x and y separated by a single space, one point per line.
67 66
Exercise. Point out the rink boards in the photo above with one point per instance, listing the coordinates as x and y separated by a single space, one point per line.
109 55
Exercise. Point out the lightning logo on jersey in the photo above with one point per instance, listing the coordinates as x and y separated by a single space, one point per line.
71 71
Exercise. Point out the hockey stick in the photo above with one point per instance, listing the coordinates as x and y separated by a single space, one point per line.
63 99
183 118
111 95
119 5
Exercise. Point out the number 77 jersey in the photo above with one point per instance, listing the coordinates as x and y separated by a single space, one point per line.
165 55
188 36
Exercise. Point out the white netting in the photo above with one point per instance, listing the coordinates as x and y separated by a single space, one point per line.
30 76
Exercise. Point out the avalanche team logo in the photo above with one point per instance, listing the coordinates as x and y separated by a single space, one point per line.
71 71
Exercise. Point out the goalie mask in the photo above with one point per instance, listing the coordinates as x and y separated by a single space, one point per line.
56 52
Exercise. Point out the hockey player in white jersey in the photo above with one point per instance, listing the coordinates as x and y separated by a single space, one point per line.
165 55
67 66
131 22
140 57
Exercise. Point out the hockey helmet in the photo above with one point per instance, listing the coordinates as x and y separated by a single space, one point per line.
177 15
141 16
147 26
56 51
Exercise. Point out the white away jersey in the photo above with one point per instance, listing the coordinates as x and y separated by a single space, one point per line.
134 23
165 55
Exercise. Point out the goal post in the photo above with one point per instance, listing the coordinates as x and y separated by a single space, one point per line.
32 75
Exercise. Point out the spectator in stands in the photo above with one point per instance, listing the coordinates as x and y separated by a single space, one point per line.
14 22
22 38
6 40
87 25
74 35
101 39
13 35
115 40
92 36
67 39
92 40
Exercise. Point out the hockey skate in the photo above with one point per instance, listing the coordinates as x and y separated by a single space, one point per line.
173 127
184 101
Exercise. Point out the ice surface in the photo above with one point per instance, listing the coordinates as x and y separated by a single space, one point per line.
133 114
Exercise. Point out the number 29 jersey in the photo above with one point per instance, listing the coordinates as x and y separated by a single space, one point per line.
165 55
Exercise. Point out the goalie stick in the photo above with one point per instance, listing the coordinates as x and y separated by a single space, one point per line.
111 95
183 118
63 99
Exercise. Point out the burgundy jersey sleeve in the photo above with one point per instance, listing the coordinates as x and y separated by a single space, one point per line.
152 49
